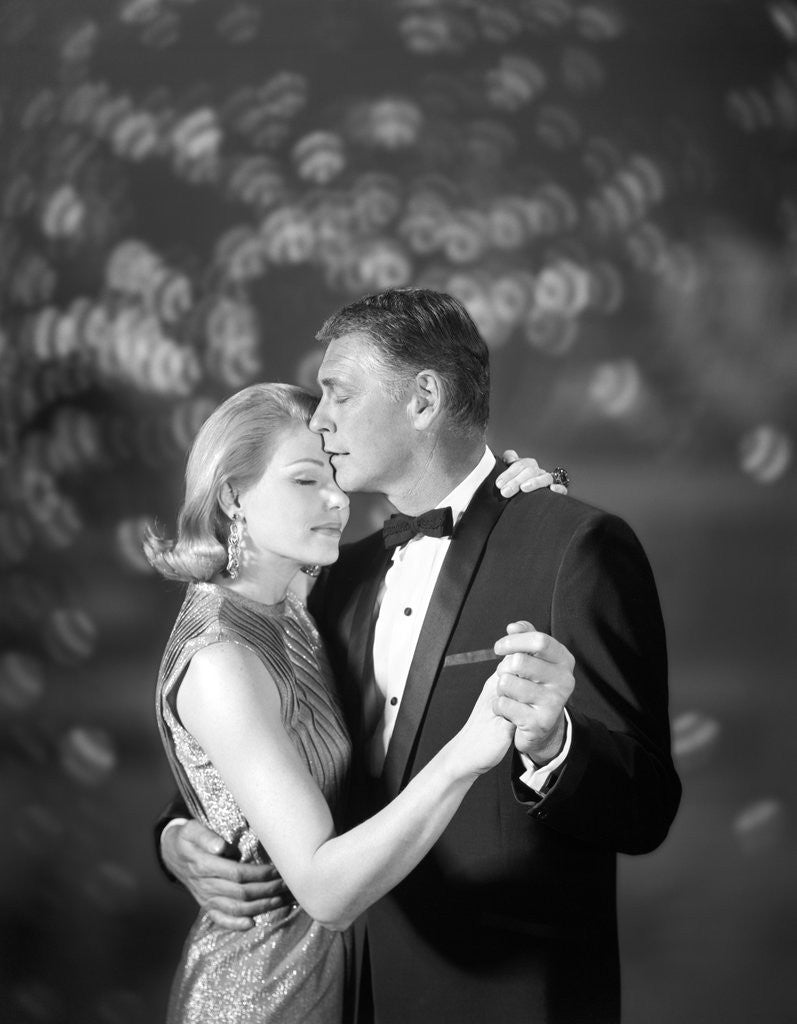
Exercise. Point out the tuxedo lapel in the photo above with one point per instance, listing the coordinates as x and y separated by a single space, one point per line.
461 562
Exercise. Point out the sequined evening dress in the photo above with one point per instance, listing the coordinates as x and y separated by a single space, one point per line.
287 969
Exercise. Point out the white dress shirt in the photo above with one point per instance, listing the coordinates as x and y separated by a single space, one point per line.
401 607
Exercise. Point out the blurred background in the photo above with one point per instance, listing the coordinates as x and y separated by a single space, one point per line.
187 189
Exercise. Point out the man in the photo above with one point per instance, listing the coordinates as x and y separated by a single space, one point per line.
512 916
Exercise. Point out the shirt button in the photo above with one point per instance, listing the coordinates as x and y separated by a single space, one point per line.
394 701
408 611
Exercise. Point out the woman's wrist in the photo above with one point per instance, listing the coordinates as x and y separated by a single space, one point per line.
454 763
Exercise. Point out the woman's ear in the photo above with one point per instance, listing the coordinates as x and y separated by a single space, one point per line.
228 499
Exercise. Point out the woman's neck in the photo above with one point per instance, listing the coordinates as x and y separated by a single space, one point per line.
266 583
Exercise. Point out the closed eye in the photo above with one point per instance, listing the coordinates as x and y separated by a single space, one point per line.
303 482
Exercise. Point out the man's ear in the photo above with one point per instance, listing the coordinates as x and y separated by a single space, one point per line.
228 499
426 399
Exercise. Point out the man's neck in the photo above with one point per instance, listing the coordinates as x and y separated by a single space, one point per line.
436 474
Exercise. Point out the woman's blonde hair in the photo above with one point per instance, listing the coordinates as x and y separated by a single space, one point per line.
232 446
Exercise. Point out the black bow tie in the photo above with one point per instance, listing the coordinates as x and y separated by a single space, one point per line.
438 522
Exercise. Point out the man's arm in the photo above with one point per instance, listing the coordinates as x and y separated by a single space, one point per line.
617 787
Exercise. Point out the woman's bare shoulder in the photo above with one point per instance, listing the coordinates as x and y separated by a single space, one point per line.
219 670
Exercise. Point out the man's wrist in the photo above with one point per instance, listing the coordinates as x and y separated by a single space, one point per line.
160 849
541 757
169 823
161 843
540 778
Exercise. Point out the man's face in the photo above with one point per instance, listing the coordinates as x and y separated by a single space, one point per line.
366 431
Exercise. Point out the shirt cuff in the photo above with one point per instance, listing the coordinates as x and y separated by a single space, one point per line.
536 778
182 821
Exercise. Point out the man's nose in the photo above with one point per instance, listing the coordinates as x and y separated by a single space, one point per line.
319 421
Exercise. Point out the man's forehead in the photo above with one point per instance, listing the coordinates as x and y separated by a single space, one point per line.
344 357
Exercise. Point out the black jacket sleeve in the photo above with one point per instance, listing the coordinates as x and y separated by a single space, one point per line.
618 788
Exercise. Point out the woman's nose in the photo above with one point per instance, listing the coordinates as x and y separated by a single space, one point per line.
338 498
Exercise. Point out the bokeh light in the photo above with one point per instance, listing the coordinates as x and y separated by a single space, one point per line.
189 187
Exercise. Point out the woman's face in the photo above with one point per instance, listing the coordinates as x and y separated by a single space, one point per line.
295 512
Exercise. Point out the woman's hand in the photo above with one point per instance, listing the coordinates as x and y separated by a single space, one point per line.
485 737
524 475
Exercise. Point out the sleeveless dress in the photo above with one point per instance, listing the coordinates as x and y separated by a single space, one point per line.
287 969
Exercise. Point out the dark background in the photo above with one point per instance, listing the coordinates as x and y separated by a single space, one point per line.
609 186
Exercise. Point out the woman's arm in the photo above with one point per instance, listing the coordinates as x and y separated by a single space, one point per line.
232 707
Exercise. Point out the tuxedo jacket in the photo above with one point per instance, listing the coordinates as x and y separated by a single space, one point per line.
512 914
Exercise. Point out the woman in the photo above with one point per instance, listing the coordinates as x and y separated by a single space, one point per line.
253 729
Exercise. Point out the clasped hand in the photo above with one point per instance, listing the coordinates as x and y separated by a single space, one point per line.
535 681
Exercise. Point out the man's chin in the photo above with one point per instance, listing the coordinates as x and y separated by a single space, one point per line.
350 479
345 476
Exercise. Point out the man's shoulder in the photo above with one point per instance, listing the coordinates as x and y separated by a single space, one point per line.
558 509
552 521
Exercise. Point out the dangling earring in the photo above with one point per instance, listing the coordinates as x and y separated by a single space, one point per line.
311 570
234 546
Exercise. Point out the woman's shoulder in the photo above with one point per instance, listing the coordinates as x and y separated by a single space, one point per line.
225 682
223 654
221 670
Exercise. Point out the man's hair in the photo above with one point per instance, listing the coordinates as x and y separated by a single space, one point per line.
414 329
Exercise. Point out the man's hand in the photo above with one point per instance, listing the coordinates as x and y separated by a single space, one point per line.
524 475
231 892
535 680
